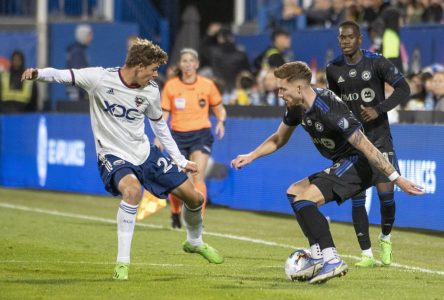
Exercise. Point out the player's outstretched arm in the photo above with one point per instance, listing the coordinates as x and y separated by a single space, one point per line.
270 145
375 157
48 75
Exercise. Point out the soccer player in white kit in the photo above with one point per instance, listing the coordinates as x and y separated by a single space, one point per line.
120 99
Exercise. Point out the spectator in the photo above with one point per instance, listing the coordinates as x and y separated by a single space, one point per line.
438 90
274 56
246 92
77 58
319 14
433 12
227 60
17 96
417 93
208 41
339 12
373 9
427 81
269 90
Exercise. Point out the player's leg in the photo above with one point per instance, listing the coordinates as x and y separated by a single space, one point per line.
192 215
201 159
361 225
316 225
315 261
176 209
130 189
388 210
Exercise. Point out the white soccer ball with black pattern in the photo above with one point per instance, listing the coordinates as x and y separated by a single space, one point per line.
296 262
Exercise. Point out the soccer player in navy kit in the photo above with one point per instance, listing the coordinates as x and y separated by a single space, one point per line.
358 77
338 136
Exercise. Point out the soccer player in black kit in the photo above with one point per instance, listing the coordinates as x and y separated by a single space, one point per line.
358 77
337 135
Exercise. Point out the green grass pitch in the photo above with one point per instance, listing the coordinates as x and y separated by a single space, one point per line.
63 246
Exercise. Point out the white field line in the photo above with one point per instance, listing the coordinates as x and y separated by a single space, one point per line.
67 262
222 235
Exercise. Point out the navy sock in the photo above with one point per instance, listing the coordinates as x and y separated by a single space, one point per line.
316 224
388 210
360 223
304 229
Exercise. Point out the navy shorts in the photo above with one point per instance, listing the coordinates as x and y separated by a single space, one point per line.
158 174
344 179
191 141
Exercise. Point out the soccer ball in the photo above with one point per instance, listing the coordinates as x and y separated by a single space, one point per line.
296 262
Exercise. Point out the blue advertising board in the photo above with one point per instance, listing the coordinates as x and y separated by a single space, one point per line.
56 152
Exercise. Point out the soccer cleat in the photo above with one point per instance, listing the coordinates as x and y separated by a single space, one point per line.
366 262
121 271
175 221
208 252
310 270
329 271
386 252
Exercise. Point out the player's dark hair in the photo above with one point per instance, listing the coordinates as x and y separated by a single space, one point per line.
296 70
144 52
351 24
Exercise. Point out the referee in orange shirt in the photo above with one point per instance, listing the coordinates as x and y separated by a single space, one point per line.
187 98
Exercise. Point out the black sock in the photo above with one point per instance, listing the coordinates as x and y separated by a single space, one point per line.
388 209
315 223
360 222
304 229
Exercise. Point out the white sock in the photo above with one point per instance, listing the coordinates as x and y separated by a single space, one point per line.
193 223
315 251
330 255
126 220
368 252
385 237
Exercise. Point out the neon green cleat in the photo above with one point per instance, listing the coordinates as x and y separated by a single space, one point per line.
208 252
121 271
366 262
386 252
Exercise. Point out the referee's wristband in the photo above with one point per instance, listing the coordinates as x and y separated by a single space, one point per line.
394 176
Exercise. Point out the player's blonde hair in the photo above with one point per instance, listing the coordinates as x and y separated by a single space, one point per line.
144 52
296 70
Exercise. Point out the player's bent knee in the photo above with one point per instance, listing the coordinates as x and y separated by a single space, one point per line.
132 194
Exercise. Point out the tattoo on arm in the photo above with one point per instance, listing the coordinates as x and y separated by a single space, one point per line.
374 156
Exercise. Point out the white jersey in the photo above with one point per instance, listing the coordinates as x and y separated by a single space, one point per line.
118 112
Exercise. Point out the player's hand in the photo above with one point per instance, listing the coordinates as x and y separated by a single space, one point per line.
368 113
409 187
242 160
220 129
30 74
191 167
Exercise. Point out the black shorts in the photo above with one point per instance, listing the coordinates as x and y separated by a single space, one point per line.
344 179
191 141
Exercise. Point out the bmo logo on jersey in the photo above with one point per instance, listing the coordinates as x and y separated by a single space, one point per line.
120 111
350 97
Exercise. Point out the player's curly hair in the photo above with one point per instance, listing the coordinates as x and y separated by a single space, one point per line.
144 52
296 70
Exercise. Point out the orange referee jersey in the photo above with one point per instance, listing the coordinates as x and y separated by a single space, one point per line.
188 104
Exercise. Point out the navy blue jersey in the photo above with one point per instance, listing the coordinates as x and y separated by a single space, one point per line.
363 84
329 122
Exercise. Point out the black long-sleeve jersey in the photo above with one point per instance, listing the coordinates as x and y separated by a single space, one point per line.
329 122
363 84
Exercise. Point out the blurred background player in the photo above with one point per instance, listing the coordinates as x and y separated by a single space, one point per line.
358 77
121 98
337 135
187 98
